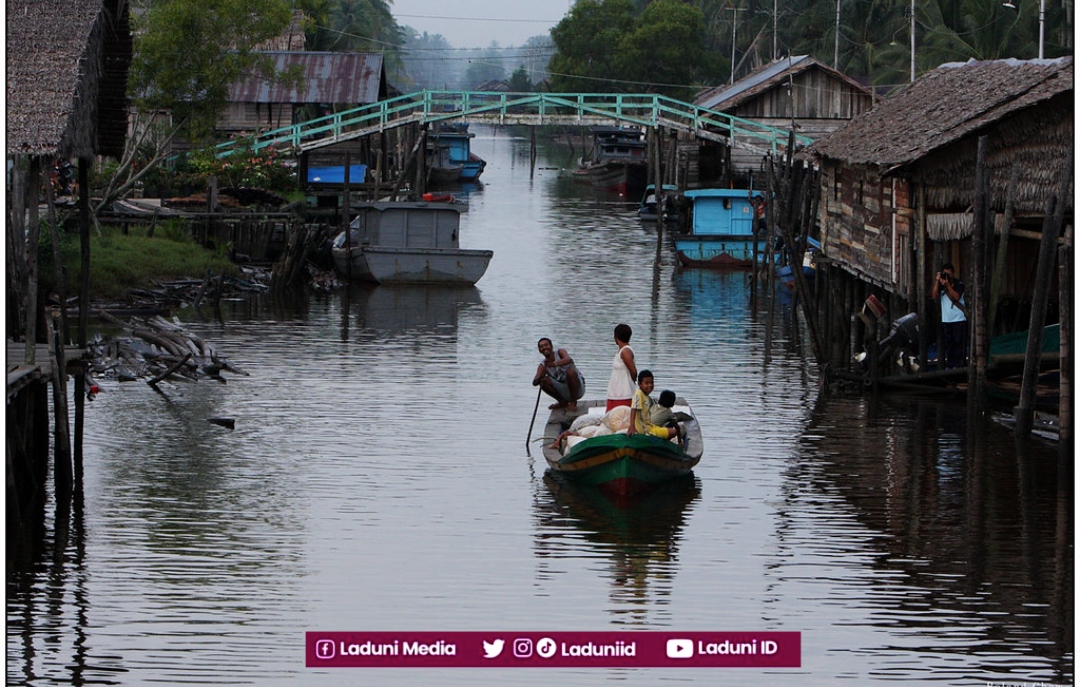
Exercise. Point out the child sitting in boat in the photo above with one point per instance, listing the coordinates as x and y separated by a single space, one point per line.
662 414
641 408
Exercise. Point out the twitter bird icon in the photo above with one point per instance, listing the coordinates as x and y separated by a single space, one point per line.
493 649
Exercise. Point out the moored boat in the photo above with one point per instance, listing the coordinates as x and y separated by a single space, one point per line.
649 208
721 229
616 462
617 162
455 139
407 243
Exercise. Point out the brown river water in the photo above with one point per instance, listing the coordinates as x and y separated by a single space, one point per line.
378 479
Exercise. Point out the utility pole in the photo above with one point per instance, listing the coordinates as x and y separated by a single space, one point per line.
912 40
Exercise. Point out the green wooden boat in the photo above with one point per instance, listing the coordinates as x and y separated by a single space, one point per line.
619 463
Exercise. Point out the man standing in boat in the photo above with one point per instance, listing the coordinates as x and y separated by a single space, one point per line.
558 376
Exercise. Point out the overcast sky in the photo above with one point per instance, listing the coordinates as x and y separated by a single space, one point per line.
476 23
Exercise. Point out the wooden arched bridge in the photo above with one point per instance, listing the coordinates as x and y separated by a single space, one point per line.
534 109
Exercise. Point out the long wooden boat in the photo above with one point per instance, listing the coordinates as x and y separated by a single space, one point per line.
618 463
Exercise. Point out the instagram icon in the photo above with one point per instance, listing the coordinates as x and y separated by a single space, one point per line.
523 647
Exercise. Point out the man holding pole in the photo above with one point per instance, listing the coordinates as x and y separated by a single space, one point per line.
558 376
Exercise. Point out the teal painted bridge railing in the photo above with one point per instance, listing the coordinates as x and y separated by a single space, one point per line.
524 108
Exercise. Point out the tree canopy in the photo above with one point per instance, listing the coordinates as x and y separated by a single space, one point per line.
189 52
667 45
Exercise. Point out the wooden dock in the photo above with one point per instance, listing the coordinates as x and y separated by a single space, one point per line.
21 374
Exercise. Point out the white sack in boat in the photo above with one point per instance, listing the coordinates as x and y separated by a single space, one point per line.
618 419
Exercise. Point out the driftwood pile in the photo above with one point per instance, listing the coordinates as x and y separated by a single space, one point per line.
196 292
156 350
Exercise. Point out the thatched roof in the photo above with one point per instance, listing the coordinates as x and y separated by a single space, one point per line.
327 77
946 105
67 64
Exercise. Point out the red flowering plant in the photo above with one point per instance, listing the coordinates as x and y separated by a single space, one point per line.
271 168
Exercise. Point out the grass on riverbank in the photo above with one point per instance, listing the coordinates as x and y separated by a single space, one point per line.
121 262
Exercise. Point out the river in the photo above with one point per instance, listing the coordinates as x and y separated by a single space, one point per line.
378 479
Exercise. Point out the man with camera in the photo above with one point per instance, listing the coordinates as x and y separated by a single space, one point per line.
950 291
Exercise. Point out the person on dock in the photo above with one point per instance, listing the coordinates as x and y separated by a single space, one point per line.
623 370
641 410
558 376
950 291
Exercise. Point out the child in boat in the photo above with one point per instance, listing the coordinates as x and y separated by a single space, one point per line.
641 410
662 414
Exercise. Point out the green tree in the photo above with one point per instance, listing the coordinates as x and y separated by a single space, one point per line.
587 43
665 51
618 46
519 81
187 53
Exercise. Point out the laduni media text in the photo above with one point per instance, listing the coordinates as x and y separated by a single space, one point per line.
396 648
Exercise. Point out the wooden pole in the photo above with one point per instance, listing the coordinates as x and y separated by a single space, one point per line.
84 309
1003 245
921 271
1052 222
658 189
33 238
1065 317
976 303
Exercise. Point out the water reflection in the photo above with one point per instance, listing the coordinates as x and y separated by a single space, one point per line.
638 536
392 311
938 516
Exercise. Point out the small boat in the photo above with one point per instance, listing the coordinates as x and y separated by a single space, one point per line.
617 162
619 463
787 276
722 229
647 210
455 139
407 243
441 169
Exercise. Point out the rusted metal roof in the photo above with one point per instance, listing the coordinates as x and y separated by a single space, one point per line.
953 101
328 77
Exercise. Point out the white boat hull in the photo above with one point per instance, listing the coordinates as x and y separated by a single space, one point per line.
384 265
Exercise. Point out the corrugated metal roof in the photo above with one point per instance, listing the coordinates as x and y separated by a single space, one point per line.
328 77
710 99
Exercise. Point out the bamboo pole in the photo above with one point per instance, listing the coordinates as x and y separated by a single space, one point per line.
1052 223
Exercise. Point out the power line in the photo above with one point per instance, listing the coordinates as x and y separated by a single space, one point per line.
486 19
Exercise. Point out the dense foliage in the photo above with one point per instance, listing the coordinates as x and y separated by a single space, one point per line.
680 45
189 52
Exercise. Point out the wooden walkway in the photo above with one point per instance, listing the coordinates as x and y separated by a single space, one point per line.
20 374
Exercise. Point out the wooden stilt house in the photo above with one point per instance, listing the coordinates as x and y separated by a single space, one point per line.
67 71
898 183
796 92
67 65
